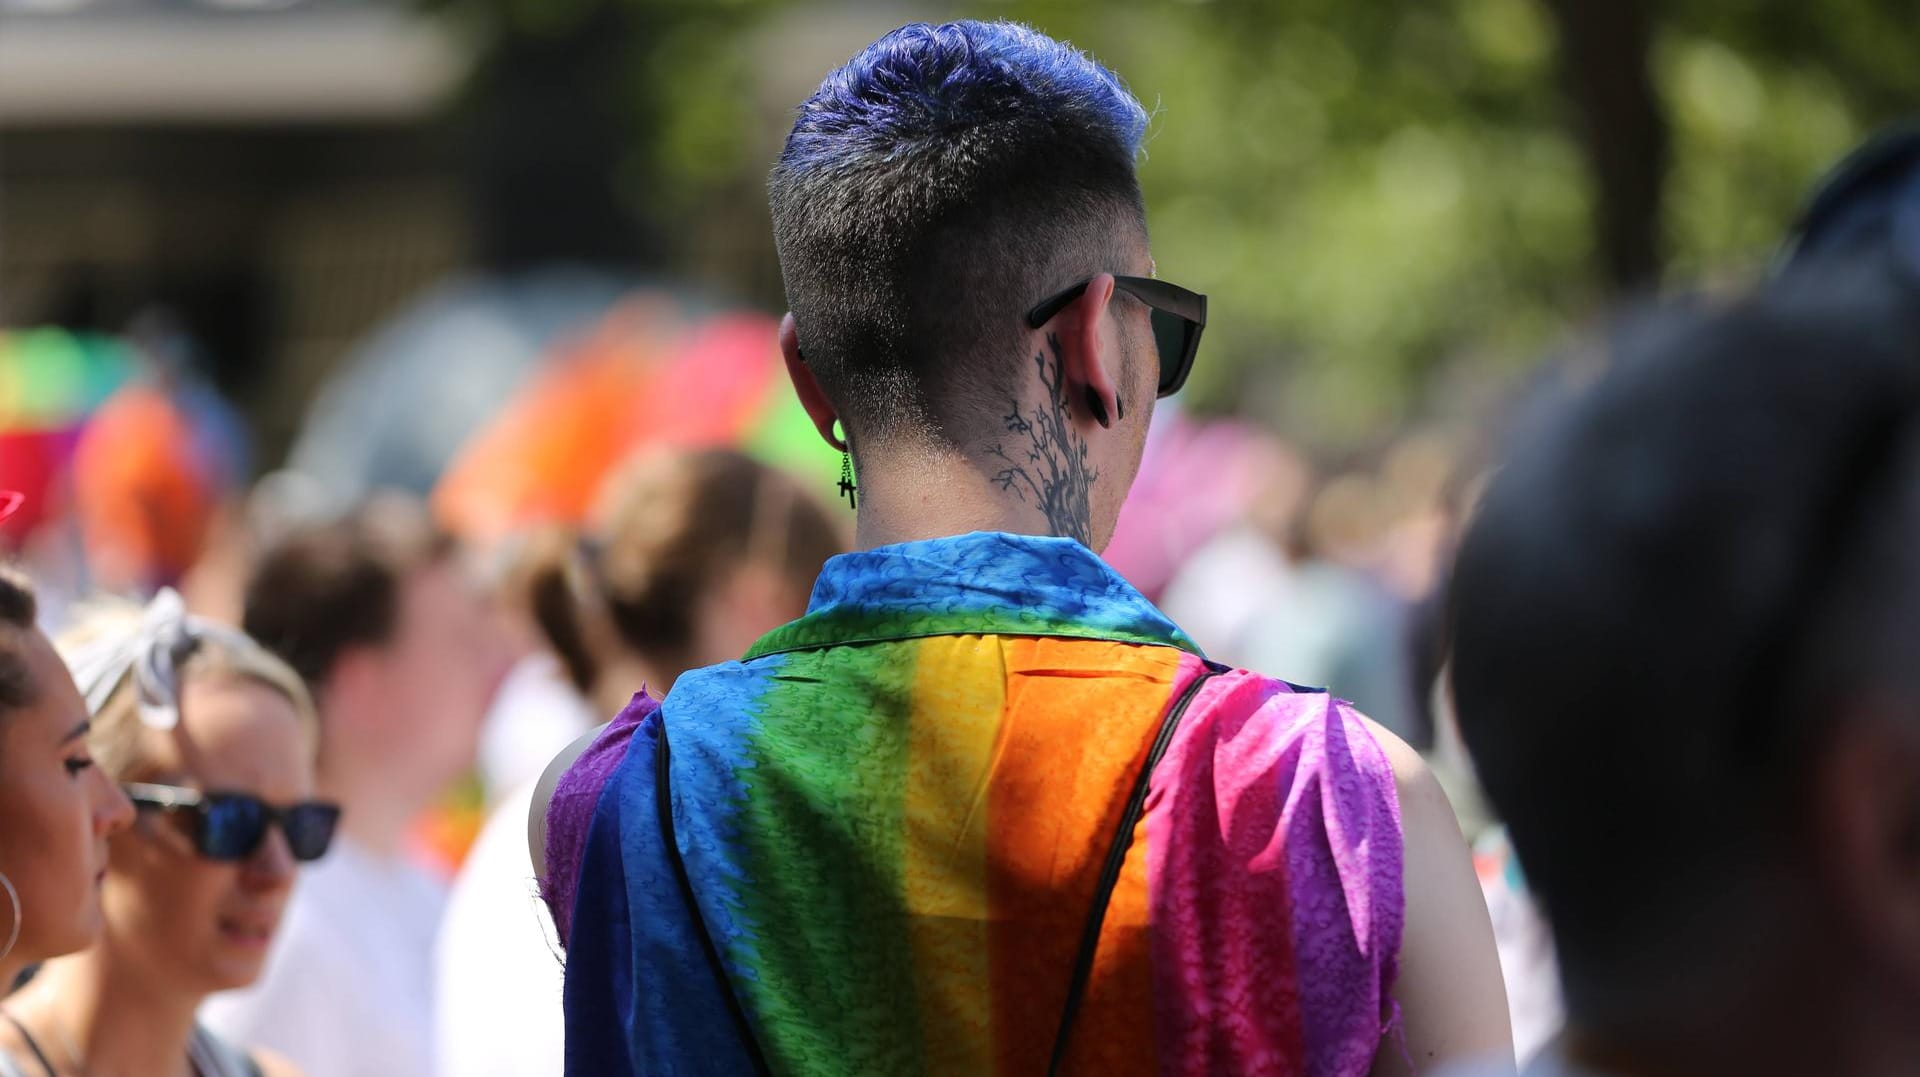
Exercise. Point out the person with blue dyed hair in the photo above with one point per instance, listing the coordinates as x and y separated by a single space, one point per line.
983 808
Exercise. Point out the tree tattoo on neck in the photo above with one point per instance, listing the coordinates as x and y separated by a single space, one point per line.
1049 470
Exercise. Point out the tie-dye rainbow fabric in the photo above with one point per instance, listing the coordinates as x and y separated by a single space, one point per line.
894 812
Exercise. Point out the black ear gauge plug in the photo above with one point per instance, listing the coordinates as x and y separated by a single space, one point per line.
1098 409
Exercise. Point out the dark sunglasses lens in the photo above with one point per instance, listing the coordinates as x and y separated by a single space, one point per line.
1171 333
310 829
232 827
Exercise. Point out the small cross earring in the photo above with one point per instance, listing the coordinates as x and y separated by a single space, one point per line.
848 488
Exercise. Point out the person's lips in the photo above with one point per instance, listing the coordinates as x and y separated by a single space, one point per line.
248 932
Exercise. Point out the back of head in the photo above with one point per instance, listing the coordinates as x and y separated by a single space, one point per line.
1672 590
322 589
670 533
1867 206
933 190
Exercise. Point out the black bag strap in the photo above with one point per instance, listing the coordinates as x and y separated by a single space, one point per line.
1096 915
663 799
1116 859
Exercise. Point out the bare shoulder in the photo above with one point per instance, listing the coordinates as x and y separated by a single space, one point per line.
274 1064
1452 997
543 797
1421 797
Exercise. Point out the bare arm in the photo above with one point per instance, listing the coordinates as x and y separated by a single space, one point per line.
1452 1000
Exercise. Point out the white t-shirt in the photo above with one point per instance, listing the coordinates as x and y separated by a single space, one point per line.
348 987
534 715
499 961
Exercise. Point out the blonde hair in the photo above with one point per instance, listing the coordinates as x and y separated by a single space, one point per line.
115 741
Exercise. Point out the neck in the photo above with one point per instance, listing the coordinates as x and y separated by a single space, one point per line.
615 685
112 1019
932 493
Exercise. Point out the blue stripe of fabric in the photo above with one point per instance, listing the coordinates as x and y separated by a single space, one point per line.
987 583
631 916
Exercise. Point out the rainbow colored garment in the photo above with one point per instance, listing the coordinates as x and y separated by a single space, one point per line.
893 813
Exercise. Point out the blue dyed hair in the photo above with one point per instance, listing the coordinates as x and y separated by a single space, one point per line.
933 189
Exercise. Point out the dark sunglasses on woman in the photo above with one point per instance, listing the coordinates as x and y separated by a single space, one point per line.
231 826
1178 316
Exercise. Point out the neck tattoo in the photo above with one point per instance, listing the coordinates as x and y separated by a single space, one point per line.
1047 464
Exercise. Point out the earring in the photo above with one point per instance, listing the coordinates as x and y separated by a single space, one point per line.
1098 409
13 933
848 489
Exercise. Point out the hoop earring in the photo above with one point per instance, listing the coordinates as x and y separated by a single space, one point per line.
13 896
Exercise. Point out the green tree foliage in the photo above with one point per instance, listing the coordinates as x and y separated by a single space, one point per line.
1390 202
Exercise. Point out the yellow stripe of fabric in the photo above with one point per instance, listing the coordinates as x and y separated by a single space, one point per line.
959 695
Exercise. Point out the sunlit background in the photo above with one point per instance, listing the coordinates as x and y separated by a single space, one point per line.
261 258
1394 205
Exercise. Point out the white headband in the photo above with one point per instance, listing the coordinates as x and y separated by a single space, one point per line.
152 651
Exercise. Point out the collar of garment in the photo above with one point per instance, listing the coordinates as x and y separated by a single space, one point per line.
986 583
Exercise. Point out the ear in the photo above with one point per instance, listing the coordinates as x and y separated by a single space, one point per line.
1090 355
1866 815
806 386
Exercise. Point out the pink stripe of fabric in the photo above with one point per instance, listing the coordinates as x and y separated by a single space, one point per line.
1275 870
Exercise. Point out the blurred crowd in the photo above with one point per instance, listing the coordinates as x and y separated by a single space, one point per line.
640 502
376 647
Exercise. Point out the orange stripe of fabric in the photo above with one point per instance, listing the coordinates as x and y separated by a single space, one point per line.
1114 1033
1079 721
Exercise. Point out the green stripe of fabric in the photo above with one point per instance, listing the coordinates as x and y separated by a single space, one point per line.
831 991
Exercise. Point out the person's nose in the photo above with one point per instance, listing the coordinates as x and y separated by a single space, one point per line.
112 811
272 866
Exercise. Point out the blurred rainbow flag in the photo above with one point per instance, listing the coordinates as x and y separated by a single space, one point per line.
94 435
651 374
51 381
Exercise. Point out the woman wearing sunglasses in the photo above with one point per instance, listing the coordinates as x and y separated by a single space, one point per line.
57 809
213 740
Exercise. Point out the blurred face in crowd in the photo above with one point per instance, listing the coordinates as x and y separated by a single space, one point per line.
193 923
420 697
57 809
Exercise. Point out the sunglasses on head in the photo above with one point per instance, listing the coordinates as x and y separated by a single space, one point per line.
1178 316
231 826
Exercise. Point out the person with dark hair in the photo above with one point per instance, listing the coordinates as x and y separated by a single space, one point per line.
984 809
688 558
1683 622
1867 206
57 809
375 614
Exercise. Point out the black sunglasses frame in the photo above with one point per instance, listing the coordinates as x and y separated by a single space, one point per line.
174 798
1189 306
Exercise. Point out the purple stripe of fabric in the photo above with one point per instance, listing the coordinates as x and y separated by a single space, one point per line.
570 812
